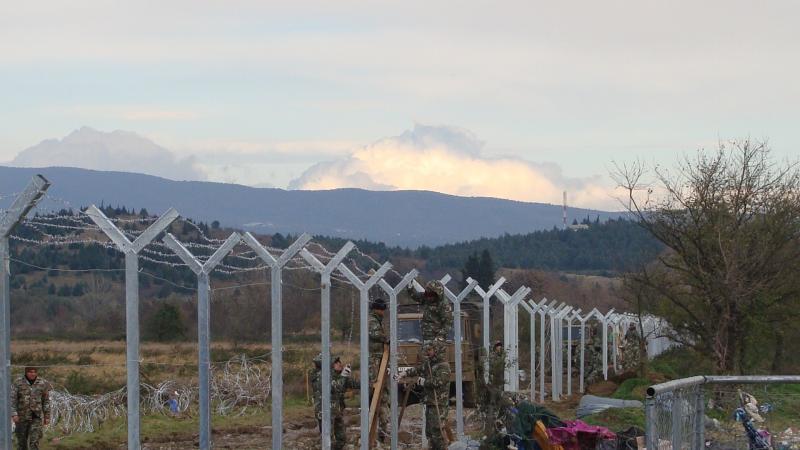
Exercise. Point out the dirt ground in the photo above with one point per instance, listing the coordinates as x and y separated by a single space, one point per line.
301 433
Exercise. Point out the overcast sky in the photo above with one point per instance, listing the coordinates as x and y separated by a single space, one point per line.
270 93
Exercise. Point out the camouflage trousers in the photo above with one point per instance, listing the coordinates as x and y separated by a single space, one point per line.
490 407
630 358
29 432
339 438
594 371
435 422
383 405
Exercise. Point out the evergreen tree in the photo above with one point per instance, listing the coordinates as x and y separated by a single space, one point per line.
486 269
479 268
166 324
78 289
471 269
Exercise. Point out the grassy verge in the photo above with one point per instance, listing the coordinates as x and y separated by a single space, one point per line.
162 429
618 419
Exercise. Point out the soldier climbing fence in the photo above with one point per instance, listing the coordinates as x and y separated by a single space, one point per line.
551 345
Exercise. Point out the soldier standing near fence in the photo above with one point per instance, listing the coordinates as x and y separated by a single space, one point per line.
30 408
437 314
377 340
594 356
434 378
340 383
631 352
491 396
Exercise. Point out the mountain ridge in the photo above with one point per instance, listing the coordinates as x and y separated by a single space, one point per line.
406 218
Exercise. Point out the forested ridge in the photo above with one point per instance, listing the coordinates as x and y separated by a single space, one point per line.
613 246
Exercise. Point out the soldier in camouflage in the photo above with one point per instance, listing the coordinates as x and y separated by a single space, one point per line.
594 356
631 351
434 378
377 339
492 395
437 314
30 408
340 383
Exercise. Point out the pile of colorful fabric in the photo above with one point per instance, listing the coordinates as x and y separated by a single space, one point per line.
576 435
527 426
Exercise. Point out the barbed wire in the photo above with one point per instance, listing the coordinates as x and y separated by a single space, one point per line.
248 261
240 384
55 269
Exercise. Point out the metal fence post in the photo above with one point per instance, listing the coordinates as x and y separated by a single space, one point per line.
325 271
276 334
510 308
583 352
363 288
457 299
24 202
615 321
561 316
203 272
555 348
532 307
572 317
393 293
650 422
486 326
131 251
605 319
543 307
551 313
700 419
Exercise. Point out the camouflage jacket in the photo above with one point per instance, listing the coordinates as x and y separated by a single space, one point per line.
630 351
497 369
377 335
437 381
339 386
437 316
30 400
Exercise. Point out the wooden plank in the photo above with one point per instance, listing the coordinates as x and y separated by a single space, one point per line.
405 403
377 392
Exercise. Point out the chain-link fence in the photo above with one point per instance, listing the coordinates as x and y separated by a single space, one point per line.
708 412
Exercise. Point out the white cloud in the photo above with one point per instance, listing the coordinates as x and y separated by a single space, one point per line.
259 162
118 150
448 160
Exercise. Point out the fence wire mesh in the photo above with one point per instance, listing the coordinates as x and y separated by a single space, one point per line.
729 413
674 416
774 409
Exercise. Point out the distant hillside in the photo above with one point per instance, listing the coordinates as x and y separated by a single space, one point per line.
405 218
608 248
613 246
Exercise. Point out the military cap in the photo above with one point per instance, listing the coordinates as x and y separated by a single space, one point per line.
435 286
377 303
318 359
437 345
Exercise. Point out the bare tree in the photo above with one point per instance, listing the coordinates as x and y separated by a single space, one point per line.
730 221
